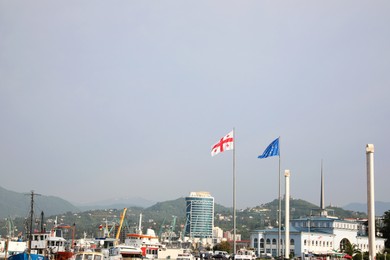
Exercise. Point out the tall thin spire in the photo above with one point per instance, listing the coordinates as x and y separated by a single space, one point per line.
322 203
323 211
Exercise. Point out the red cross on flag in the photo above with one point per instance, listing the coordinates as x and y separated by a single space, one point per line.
226 143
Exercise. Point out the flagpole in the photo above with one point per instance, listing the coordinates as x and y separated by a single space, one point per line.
272 150
280 209
234 192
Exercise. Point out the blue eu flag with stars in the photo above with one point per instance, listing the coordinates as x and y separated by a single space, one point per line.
271 150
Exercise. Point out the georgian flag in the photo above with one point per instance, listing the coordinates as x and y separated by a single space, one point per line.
226 143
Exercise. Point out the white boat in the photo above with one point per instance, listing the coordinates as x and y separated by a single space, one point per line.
149 243
129 251
10 247
30 253
107 246
52 243
89 255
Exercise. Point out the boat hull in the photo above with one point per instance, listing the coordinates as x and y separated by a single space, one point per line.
63 255
26 256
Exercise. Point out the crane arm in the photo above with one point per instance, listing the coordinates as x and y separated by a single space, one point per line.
121 223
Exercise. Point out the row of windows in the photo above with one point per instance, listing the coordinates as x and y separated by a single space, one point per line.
365 246
305 242
318 243
268 242
324 224
151 251
40 237
197 201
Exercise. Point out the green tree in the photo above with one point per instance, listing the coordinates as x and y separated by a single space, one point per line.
385 230
351 249
223 246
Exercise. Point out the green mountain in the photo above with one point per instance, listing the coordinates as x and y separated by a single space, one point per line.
15 204
160 217
302 208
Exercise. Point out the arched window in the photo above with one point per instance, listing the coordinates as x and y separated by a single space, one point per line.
304 242
291 242
268 241
343 244
274 241
262 243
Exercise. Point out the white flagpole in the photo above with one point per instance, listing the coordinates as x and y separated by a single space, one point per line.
280 210
234 192
287 215
371 200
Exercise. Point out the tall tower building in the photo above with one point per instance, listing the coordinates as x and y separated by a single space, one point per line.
199 215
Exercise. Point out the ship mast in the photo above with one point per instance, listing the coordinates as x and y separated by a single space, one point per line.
31 220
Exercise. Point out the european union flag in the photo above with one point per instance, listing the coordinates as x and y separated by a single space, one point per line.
271 150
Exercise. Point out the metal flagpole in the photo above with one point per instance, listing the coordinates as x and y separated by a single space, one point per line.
234 192
370 200
280 211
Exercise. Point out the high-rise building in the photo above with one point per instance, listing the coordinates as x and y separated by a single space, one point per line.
199 215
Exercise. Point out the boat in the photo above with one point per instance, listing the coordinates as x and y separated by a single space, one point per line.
107 246
52 243
129 251
148 243
11 246
89 255
28 254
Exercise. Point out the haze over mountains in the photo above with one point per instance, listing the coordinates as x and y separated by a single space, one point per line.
116 203
15 204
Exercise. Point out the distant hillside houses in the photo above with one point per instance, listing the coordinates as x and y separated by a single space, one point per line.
219 236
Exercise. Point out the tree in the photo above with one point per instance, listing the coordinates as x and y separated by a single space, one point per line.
385 230
351 249
223 246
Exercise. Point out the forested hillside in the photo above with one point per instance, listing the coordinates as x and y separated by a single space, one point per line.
163 215
15 204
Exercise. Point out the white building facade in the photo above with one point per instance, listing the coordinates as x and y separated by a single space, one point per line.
317 235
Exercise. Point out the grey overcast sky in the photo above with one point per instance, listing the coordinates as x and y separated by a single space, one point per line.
109 99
